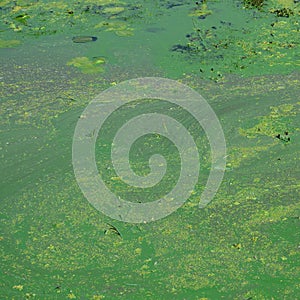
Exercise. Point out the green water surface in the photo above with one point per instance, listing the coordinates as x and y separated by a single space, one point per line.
243 58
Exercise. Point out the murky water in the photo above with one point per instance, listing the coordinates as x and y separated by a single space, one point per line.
243 61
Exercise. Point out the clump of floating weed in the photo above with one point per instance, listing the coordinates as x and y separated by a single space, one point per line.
254 3
86 65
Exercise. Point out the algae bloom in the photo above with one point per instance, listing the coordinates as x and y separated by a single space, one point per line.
86 65
9 43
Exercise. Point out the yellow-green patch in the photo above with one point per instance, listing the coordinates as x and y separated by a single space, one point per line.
277 122
9 43
87 66
118 27
113 10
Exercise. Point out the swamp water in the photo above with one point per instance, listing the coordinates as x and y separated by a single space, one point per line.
243 58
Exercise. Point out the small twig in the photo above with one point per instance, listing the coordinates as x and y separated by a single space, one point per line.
113 229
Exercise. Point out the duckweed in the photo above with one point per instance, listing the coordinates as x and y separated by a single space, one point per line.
9 43
87 66
277 122
118 27
55 245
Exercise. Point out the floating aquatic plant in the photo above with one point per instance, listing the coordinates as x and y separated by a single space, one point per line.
47 18
238 47
104 2
201 11
113 10
253 3
275 124
118 27
86 65
9 43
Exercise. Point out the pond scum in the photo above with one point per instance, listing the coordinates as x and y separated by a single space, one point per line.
244 245
233 47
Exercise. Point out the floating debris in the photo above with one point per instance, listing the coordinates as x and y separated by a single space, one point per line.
284 138
112 229
84 39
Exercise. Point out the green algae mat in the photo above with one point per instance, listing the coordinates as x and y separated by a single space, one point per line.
243 57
